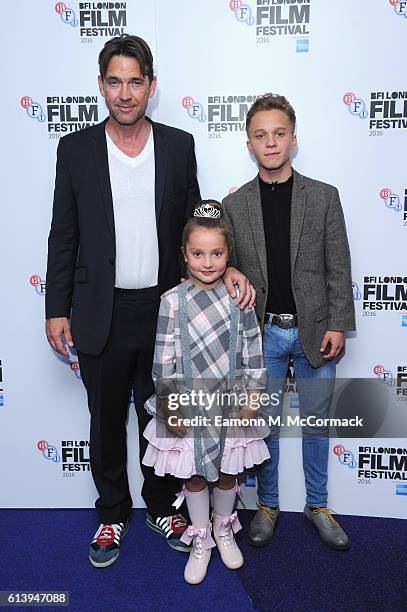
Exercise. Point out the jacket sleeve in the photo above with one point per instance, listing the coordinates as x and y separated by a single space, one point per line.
63 241
341 309
228 219
254 372
164 371
194 194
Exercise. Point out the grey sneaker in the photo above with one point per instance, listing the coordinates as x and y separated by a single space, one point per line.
172 528
262 526
330 532
105 546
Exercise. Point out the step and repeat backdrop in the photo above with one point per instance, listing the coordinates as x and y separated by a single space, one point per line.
340 63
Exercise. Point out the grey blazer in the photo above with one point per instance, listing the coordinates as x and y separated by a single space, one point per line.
320 260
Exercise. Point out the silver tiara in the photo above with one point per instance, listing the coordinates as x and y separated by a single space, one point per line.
207 210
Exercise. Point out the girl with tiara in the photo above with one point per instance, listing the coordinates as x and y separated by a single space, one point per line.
208 355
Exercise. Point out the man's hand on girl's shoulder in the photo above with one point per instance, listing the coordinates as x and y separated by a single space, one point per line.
246 296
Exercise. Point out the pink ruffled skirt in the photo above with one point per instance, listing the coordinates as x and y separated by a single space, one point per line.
167 454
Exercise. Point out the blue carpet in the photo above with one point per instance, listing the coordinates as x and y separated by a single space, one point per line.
47 550
297 572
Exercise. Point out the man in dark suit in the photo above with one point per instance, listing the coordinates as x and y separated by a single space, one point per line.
290 240
123 192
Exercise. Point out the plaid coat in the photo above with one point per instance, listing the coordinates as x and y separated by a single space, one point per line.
209 324
209 337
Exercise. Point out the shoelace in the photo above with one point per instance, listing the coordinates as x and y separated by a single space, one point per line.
178 521
327 514
108 532
197 548
226 539
271 514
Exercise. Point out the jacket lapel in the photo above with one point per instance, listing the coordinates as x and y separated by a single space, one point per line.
161 162
256 222
298 201
102 172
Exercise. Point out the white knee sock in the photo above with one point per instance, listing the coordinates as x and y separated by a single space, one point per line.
198 507
223 500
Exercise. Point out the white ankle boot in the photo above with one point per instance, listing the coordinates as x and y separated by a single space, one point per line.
198 535
225 524
223 528
200 555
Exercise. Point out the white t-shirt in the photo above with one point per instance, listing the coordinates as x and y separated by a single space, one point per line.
133 189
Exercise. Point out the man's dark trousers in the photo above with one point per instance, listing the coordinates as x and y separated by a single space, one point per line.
124 364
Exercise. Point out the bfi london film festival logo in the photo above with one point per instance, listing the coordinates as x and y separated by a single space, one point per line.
49 452
39 285
357 106
376 463
393 202
63 114
273 19
381 463
242 11
72 455
386 110
384 375
400 7
222 114
94 19
345 457
399 383
384 293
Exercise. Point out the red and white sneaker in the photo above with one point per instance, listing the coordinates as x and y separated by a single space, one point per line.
172 528
105 546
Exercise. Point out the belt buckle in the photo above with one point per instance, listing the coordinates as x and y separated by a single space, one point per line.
286 320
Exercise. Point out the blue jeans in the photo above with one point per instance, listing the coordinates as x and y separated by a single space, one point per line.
315 387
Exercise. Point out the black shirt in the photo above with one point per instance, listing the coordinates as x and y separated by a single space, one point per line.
276 206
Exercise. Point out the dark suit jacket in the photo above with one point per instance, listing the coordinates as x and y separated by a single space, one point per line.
81 244
320 260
